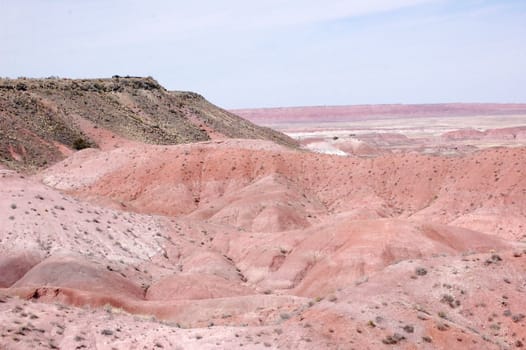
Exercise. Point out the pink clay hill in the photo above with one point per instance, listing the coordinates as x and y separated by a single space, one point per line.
123 228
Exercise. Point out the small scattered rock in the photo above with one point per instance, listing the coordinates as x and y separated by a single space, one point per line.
427 339
408 328
106 332
421 271
393 339
495 258
517 318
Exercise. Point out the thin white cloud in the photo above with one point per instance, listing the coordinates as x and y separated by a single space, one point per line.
130 22
278 12
206 14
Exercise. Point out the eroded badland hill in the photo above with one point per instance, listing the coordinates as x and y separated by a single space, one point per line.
179 225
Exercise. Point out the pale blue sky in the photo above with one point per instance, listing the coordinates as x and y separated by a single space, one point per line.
240 53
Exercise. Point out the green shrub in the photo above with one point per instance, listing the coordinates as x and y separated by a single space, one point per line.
80 143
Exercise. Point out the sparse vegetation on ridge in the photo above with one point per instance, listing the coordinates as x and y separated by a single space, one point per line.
34 112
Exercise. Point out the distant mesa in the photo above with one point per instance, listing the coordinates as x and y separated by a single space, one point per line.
372 130
368 112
